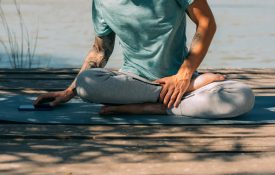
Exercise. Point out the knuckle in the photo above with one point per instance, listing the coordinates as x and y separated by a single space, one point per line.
180 96
176 91
171 90
165 101
173 98
172 87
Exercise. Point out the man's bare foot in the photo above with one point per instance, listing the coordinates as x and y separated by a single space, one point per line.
204 80
145 108
158 108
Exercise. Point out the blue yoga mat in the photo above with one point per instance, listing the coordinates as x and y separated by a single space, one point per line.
78 112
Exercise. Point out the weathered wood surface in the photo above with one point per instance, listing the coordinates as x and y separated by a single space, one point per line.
134 131
173 150
139 149
138 163
47 149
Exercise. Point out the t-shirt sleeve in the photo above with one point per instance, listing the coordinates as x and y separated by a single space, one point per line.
101 28
185 3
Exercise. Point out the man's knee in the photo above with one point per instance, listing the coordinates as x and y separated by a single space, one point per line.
90 81
233 99
223 100
244 100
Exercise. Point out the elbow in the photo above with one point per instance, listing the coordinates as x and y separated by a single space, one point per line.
208 24
213 26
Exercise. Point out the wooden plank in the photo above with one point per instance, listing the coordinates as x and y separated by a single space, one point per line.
240 70
169 145
257 82
40 70
12 131
63 83
249 77
73 72
33 84
76 70
35 76
46 88
94 163
30 91
33 92
269 92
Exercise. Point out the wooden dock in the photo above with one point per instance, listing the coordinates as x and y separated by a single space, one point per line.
133 149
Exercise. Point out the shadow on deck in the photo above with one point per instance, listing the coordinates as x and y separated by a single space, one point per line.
189 146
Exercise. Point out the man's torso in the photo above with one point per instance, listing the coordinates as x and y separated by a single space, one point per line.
151 34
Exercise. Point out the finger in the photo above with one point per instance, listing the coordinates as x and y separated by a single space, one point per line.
43 98
178 100
168 97
56 102
163 93
38 99
47 100
160 81
173 98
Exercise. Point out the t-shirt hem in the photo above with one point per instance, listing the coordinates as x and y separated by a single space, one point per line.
135 71
104 33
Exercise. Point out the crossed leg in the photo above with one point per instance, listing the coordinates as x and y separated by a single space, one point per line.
209 96
158 108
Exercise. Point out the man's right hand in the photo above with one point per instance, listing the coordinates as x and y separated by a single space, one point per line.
55 98
103 45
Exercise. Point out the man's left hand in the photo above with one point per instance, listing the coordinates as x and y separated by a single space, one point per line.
173 89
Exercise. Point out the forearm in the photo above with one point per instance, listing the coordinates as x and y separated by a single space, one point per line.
97 57
91 61
199 47
201 14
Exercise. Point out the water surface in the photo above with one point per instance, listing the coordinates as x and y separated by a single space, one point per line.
245 35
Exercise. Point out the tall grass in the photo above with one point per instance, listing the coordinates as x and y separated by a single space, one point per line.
20 47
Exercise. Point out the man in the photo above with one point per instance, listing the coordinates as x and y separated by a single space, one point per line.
159 73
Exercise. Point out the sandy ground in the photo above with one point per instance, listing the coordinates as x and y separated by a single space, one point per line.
245 36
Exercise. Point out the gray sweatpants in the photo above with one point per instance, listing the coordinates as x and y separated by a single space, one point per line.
216 100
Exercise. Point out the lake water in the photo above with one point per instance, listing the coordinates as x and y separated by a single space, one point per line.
245 35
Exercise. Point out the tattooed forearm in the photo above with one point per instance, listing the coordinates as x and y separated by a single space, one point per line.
99 54
101 51
200 13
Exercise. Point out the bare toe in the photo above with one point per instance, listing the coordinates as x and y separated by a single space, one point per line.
210 77
205 79
219 77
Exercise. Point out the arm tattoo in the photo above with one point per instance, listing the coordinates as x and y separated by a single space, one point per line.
98 55
101 51
196 39
92 64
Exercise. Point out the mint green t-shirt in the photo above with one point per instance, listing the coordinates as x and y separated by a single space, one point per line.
151 33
